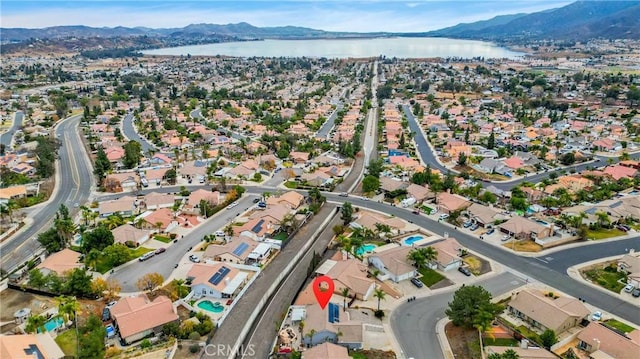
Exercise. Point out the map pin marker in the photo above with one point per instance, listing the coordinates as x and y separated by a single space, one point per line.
323 290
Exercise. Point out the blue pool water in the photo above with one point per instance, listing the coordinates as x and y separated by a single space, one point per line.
365 248
212 307
409 241
54 323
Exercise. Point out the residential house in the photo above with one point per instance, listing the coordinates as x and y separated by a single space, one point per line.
13 192
490 165
162 219
523 228
160 159
323 328
127 233
61 262
544 312
24 169
448 202
369 220
602 342
119 182
523 353
156 200
390 184
216 280
630 264
246 169
193 202
138 317
618 171
393 264
236 251
291 199
448 254
351 274
299 158
326 351
483 215
125 206
420 193
194 169
258 228
616 209
27 346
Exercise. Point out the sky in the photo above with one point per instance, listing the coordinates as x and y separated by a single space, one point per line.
330 15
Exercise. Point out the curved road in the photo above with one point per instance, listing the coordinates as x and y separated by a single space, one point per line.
129 131
73 185
428 157
7 136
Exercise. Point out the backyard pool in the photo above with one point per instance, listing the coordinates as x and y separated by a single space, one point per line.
53 324
365 248
210 306
409 241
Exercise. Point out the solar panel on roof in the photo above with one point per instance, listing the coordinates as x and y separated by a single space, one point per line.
220 274
258 227
240 249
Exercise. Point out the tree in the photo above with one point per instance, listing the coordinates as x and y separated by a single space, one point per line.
170 176
35 324
150 281
98 239
380 295
78 283
132 154
102 165
346 213
491 141
568 158
91 258
91 339
488 197
383 228
548 338
68 307
421 256
345 294
508 354
116 254
51 241
462 159
370 184
375 167
109 288
36 278
470 303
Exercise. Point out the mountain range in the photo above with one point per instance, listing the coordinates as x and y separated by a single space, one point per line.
580 20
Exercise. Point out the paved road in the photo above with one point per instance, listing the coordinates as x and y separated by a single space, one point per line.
327 126
176 252
414 324
428 157
129 131
74 186
197 114
370 142
7 136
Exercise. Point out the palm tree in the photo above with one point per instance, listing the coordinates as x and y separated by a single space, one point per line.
482 322
35 323
417 257
67 307
603 219
91 259
383 228
380 294
86 213
288 223
345 293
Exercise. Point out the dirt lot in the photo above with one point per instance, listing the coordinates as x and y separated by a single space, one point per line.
13 300
464 342
477 265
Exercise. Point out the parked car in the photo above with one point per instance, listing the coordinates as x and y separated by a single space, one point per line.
636 293
622 228
256 200
490 232
629 288
146 256
106 314
160 250
111 304
444 216
596 316
467 224
417 282
344 194
465 271
415 211
474 227
505 238
194 259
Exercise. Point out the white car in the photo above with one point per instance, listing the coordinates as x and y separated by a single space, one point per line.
194 259
444 216
505 238
629 288
219 234
596 316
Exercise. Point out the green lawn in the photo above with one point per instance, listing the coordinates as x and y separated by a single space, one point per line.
501 342
609 279
426 209
430 277
356 355
163 239
67 342
604 233
619 325
291 184
529 334
103 266
281 236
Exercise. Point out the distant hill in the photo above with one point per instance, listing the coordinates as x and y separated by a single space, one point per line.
580 20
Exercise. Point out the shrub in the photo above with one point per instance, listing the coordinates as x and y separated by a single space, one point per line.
145 344
130 244
194 348
194 336
379 314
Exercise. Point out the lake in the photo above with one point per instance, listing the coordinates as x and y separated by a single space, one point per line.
400 47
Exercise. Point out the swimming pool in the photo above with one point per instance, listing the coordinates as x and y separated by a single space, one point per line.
409 241
53 324
210 306
365 248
